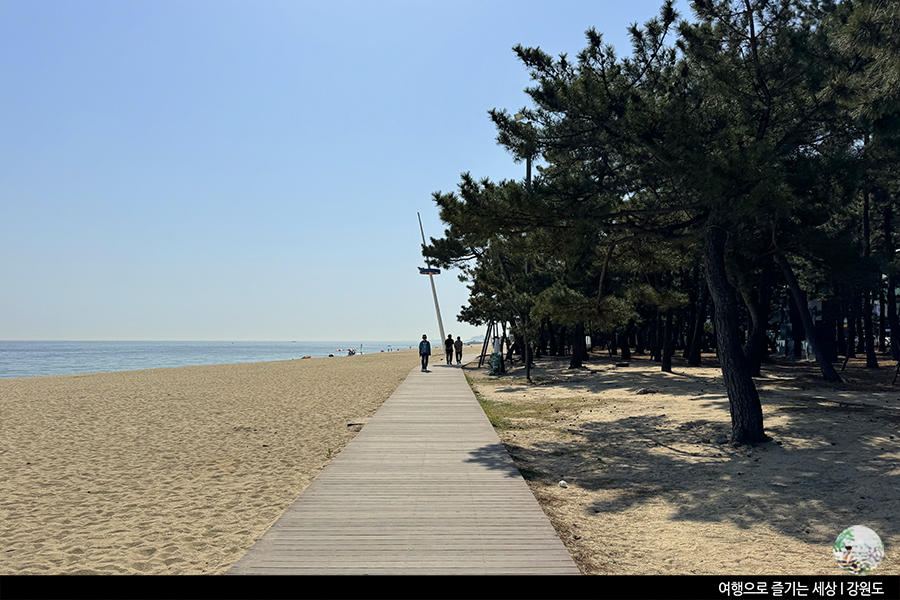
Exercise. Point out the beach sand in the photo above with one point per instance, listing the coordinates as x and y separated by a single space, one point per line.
653 487
171 471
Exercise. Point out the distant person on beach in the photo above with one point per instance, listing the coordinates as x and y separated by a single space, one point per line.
448 349
458 345
424 352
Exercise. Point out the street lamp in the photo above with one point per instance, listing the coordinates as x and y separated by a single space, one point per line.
431 272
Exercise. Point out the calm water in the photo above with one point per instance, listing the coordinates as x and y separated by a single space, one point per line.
27 359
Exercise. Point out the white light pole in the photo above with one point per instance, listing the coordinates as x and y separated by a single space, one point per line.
431 273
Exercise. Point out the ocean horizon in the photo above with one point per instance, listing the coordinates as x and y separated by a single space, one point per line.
40 358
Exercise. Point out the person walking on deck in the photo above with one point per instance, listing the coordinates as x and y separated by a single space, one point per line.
448 349
458 345
424 352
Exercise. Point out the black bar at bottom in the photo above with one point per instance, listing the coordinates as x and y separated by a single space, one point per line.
663 587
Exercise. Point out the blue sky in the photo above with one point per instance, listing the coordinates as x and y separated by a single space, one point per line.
224 170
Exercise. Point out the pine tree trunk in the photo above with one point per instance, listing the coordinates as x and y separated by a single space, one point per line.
841 338
754 338
860 330
551 336
668 343
812 337
512 349
756 348
689 317
851 334
871 356
893 321
798 331
746 411
623 345
697 337
561 341
541 346
577 347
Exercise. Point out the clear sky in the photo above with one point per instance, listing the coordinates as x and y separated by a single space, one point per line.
252 170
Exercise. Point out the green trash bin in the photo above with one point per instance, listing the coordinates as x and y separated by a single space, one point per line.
495 364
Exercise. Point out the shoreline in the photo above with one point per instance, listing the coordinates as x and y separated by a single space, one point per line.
48 358
224 364
173 470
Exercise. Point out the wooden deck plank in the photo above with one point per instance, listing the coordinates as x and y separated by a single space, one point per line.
426 487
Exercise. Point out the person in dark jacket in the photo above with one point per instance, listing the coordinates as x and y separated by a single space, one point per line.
448 349
424 352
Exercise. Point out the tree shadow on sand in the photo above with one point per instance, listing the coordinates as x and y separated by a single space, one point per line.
600 376
831 463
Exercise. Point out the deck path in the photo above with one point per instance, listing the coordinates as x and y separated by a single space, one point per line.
425 488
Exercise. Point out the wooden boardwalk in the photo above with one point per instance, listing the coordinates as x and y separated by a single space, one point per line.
426 488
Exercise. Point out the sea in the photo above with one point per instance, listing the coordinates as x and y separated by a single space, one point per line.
36 358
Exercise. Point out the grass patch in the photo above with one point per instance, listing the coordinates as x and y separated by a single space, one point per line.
552 409
498 413
503 414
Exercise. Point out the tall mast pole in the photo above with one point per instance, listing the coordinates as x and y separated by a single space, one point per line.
437 309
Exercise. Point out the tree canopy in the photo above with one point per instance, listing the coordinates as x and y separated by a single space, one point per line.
740 155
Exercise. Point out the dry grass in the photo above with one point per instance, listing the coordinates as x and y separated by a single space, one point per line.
654 487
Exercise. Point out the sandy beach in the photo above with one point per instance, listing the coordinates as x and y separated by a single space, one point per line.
171 471
653 487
